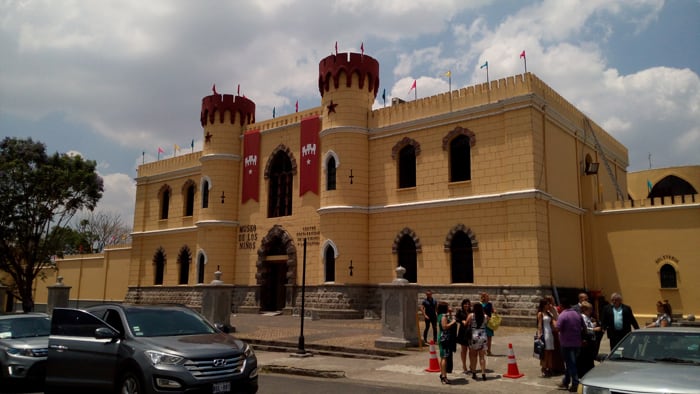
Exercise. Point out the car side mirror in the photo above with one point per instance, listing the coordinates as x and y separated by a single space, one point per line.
223 328
105 333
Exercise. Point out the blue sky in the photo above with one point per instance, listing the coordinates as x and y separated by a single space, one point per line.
115 80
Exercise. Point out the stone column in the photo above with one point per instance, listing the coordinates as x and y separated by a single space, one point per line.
58 296
398 313
216 303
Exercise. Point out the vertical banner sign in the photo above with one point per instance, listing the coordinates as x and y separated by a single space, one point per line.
310 152
251 166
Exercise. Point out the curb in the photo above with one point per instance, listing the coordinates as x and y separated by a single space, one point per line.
315 373
324 350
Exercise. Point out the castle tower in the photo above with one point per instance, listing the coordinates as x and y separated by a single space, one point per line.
348 83
223 118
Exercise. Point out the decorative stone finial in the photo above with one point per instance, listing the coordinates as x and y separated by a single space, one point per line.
400 272
217 279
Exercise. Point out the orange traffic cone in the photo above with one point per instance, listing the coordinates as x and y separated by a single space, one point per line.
434 364
513 372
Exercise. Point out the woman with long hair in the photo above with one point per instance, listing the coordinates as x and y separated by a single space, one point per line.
664 315
477 320
444 344
546 329
464 333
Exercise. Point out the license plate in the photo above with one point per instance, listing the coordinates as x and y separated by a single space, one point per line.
221 387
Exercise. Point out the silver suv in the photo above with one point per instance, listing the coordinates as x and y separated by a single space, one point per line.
145 349
24 342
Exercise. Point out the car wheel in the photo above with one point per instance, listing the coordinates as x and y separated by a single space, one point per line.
130 383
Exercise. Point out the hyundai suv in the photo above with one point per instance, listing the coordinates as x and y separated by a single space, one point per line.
145 349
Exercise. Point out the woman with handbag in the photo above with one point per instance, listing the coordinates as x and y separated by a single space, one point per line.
464 333
488 310
550 361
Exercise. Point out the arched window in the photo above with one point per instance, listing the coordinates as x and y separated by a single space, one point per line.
407 167
461 258
460 159
183 261
205 193
200 268
159 265
329 257
164 202
281 177
408 258
189 198
330 173
671 186
667 275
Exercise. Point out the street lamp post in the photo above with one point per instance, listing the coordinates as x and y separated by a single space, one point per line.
300 349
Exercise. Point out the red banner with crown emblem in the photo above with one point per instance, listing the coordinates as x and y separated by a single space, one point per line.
310 152
251 166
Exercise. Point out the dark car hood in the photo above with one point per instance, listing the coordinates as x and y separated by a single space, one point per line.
27 343
660 377
193 346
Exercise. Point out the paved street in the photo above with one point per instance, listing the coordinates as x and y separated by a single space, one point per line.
405 371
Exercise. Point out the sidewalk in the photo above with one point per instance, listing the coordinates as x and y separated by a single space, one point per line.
333 343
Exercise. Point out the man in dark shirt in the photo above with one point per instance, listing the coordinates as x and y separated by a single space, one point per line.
429 309
617 320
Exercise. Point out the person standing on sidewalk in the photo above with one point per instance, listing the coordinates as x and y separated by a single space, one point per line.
445 344
617 320
429 309
488 310
550 362
478 320
570 325
464 332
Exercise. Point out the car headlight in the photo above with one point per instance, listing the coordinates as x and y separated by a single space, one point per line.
248 352
27 352
595 390
162 358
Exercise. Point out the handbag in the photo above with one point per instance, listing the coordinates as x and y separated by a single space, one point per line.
538 347
445 338
494 322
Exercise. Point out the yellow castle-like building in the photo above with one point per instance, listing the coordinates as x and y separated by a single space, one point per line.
502 187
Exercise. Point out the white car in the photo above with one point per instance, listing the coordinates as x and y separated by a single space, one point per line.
652 360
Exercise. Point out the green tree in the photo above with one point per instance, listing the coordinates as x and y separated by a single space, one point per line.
39 194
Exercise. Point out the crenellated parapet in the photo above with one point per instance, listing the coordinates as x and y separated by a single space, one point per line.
220 103
366 68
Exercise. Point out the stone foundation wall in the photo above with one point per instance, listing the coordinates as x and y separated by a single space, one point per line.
190 296
517 305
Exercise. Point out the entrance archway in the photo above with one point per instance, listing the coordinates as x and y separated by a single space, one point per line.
276 268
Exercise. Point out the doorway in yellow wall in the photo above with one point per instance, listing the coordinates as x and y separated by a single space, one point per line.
276 268
272 291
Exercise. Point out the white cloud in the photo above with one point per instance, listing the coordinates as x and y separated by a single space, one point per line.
119 196
130 75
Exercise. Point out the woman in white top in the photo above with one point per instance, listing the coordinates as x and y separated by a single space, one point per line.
664 316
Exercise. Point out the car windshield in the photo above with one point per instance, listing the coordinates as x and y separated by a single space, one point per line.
154 322
659 346
25 327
